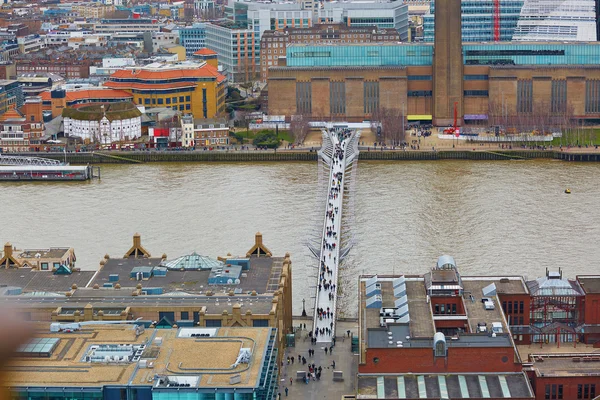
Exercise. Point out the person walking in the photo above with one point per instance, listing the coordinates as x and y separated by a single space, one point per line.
286 391
291 381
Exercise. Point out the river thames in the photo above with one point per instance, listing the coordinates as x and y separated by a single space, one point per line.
500 218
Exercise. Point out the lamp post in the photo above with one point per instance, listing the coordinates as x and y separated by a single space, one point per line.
303 308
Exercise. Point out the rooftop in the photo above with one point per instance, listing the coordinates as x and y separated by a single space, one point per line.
586 363
53 252
44 281
436 386
112 111
167 71
79 357
262 276
100 94
590 283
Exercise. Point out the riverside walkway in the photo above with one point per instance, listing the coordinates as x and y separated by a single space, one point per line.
340 149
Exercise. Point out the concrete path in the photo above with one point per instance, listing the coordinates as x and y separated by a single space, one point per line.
326 294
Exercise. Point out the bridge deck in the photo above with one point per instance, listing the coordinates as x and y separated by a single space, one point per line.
326 292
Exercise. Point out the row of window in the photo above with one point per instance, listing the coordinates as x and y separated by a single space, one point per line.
584 391
444 309
476 93
168 100
516 307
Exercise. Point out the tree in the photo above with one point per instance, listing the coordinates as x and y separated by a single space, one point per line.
391 121
299 128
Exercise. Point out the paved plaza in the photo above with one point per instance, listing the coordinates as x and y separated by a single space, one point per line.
326 387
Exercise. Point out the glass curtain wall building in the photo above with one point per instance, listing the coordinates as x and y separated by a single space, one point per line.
560 20
478 20
422 54
238 50
193 38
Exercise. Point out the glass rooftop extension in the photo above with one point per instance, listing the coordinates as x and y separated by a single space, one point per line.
38 347
192 262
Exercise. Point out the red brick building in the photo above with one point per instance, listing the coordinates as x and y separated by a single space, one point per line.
21 130
443 335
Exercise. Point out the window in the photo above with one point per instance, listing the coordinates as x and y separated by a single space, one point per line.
587 391
185 315
140 100
181 99
554 392
521 306
187 107
160 101
524 96
188 98
45 266
337 97
213 323
174 99
146 101
56 265
168 100
181 107
371 97
558 96
476 77
419 77
474 93
510 310
419 93
304 97
259 322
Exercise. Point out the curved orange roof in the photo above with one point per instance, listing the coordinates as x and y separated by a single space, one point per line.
206 71
75 95
205 52
152 86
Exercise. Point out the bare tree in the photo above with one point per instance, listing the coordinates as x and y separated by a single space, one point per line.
392 123
299 128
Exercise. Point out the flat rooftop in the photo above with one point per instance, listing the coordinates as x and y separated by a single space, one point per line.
262 276
111 298
436 386
171 356
567 364
476 312
53 252
43 281
590 283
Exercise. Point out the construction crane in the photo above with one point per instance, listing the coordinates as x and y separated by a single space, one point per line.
496 20
454 129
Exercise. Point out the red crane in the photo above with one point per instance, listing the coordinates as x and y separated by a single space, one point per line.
496 20
454 130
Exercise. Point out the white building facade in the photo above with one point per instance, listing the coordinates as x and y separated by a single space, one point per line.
102 127
557 20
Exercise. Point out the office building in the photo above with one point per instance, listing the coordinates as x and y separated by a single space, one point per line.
193 38
273 44
238 50
11 95
384 14
482 20
189 87
560 20
132 25
130 362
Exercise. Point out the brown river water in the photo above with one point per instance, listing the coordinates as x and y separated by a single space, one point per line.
503 217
